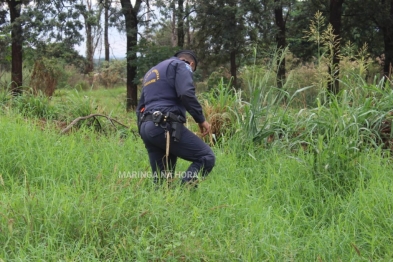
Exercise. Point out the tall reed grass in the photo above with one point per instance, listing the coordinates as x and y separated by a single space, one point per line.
74 198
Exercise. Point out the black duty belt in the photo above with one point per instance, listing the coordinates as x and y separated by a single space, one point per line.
176 123
160 118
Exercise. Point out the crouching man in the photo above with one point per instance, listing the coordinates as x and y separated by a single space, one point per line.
168 92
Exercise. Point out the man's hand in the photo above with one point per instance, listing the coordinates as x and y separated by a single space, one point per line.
205 128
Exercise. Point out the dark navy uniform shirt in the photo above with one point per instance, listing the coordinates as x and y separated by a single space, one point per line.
169 87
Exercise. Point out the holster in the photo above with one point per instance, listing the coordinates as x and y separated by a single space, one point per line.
139 118
177 129
158 117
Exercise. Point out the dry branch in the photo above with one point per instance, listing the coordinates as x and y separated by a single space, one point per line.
68 128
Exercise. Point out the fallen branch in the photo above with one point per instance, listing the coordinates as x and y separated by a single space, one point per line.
68 128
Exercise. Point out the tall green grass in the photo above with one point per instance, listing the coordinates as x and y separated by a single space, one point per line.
66 106
73 198
290 183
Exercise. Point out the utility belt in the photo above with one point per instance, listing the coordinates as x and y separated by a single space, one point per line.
160 118
176 122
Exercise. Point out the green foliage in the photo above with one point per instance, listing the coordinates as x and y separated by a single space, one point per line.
5 96
62 52
75 104
292 182
34 106
217 106
150 55
214 40
5 78
52 21
162 36
74 197
5 51
220 75
64 109
333 133
313 175
258 112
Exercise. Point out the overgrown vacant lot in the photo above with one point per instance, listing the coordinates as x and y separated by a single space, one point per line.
79 197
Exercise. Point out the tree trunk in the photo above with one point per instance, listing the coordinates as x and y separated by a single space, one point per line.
174 35
233 68
188 27
180 24
106 30
388 42
335 21
16 49
89 39
89 48
281 42
131 18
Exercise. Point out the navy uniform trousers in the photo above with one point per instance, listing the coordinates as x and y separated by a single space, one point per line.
190 148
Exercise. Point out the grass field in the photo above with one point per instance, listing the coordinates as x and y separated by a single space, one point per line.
82 197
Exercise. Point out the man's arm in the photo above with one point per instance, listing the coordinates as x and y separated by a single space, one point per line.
186 91
193 107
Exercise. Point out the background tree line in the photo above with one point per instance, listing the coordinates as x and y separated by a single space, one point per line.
224 33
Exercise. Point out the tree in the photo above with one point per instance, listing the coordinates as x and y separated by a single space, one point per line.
38 24
383 19
372 23
178 12
335 21
91 18
331 36
17 40
188 11
60 52
106 28
301 15
387 30
180 24
110 20
132 20
222 40
280 39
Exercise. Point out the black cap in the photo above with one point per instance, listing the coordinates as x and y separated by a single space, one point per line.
189 52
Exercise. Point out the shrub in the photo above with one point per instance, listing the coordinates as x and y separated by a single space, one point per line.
45 76
35 106
111 73
217 104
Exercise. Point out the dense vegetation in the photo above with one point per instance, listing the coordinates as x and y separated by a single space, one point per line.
302 173
40 33
291 183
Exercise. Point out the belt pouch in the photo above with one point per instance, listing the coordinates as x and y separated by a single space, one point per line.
177 129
